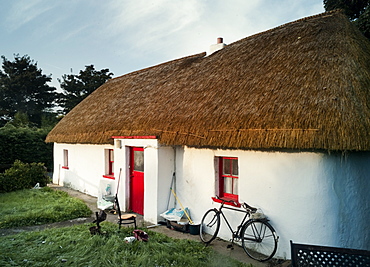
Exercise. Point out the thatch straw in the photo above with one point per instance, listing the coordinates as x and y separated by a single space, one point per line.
302 85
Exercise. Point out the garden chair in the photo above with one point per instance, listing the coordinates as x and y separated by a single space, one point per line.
127 218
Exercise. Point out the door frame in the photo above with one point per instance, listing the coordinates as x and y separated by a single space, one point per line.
131 171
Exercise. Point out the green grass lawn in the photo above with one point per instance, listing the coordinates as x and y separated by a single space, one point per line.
39 206
75 246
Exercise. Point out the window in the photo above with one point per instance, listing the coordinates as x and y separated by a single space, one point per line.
138 159
228 178
109 162
65 159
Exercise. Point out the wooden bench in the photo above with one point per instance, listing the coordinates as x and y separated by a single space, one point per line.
312 255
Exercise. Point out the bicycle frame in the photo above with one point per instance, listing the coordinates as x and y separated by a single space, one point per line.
235 234
258 238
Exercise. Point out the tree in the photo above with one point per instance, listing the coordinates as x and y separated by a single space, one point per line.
20 120
357 11
363 22
24 89
77 87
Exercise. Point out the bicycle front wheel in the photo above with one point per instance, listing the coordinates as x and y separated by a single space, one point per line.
259 240
209 226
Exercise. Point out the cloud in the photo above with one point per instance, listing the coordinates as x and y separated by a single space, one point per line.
130 35
144 21
74 32
174 28
24 11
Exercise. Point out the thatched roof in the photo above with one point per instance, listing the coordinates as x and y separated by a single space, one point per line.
303 85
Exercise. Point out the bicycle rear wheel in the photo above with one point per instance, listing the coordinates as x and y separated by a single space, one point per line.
209 226
259 240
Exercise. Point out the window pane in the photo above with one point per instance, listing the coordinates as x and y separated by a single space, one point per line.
228 185
111 155
226 166
111 169
139 161
235 167
65 154
235 186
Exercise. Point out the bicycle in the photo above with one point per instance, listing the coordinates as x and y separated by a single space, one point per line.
258 237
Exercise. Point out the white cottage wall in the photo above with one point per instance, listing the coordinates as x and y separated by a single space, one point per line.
151 183
303 194
351 188
86 166
314 198
121 163
293 189
166 169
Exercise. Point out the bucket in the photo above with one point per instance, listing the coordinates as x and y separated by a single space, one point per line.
194 228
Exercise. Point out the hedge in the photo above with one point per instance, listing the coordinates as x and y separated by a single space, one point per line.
24 144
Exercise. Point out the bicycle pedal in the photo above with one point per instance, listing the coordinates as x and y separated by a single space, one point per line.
230 246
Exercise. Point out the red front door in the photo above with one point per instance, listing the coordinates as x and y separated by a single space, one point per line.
137 180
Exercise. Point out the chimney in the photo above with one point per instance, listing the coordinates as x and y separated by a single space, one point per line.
218 46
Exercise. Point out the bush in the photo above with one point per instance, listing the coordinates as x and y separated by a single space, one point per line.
23 176
24 144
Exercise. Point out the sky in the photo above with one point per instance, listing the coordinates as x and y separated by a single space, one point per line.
64 36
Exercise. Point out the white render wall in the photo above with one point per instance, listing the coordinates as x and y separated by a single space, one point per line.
312 198
86 166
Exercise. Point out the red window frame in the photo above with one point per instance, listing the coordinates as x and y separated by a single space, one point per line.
233 177
110 162
65 159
